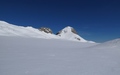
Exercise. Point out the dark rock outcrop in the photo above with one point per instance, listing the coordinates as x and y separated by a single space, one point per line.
46 30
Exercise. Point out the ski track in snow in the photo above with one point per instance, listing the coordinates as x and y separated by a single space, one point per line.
36 56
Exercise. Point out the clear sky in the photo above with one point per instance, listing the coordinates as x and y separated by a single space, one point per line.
97 20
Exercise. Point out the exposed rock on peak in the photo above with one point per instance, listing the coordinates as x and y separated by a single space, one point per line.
46 30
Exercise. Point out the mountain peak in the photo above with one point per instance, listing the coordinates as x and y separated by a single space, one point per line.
68 29
70 33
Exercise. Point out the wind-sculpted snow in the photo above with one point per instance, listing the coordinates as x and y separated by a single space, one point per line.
35 56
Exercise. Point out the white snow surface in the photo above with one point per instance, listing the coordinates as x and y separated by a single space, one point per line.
37 56
109 44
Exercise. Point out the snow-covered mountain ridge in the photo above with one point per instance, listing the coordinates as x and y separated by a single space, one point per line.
67 33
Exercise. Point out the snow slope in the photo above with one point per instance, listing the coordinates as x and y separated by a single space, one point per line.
7 29
109 44
35 56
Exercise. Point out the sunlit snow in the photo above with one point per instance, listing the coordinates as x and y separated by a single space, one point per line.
40 56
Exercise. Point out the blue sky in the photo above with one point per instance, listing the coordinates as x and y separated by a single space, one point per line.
97 20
